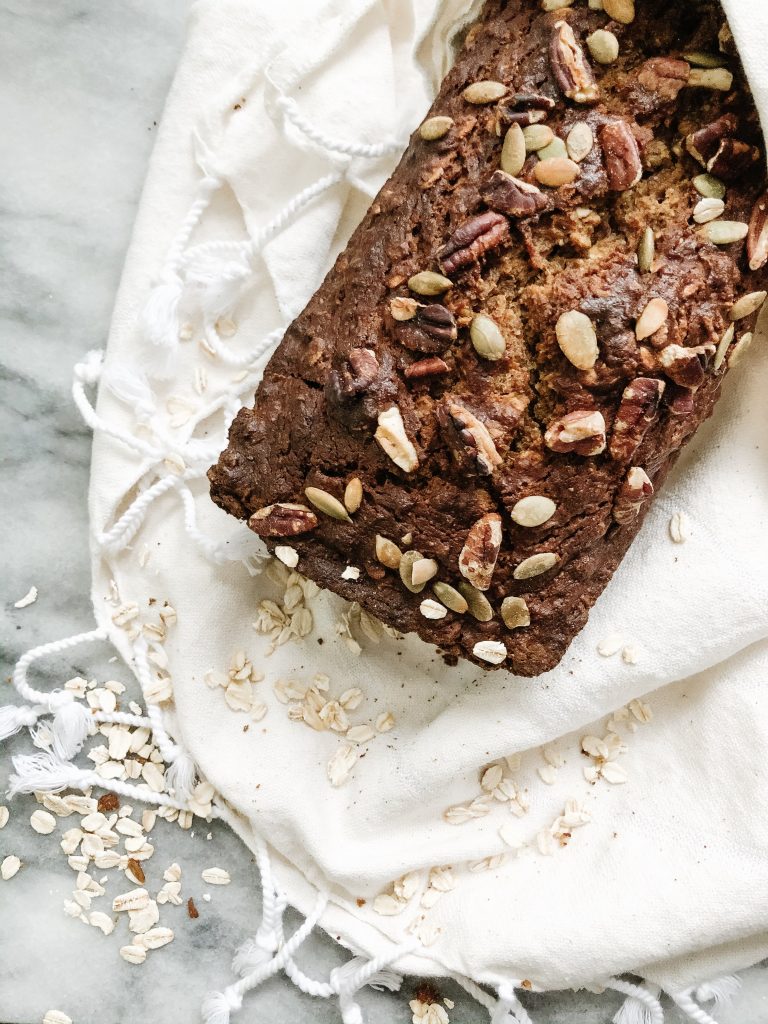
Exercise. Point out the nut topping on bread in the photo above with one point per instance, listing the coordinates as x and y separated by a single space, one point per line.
535 315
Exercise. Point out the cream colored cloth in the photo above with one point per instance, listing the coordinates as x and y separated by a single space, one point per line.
669 878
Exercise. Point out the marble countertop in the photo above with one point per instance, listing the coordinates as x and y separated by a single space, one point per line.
83 86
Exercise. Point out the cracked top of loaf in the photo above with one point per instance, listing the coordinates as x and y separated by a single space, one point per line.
536 313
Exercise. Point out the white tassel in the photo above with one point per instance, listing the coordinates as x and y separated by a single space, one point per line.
250 955
45 773
132 388
88 370
217 289
69 729
385 978
181 775
160 317
13 718
218 1006
633 1011
721 991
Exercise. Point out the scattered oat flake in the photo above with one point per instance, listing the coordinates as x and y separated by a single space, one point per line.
385 721
613 773
42 822
641 711
29 598
215 876
101 921
547 774
610 645
492 777
134 954
4 815
56 1017
341 764
508 833
9 867
360 734
630 655
679 527
388 905
351 573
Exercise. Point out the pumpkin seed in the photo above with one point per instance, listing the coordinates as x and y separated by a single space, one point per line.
406 571
579 141
708 209
554 150
653 317
604 46
387 552
427 282
709 186
719 79
435 127
537 136
353 494
487 339
486 91
514 613
326 502
533 510
556 171
747 305
740 348
722 347
620 10
577 339
535 565
704 60
478 604
646 251
450 597
513 151
724 232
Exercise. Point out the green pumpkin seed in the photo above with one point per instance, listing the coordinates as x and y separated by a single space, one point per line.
406 571
428 282
450 597
646 251
478 604
327 503
513 151
709 186
486 337
435 128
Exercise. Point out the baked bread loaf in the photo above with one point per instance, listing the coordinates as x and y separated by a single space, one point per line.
476 407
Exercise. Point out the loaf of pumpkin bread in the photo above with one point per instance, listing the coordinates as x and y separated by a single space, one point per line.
465 427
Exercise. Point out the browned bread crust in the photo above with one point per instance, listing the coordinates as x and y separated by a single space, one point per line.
577 349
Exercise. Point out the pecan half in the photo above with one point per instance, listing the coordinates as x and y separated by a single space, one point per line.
471 239
432 329
283 519
679 401
579 433
665 76
757 236
467 437
622 156
356 374
570 67
686 366
637 411
704 142
634 490
481 549
512 196
733 159
432 367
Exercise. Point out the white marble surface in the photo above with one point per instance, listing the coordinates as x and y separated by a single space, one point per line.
83 84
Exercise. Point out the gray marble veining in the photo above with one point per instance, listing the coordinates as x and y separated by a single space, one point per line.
83 84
